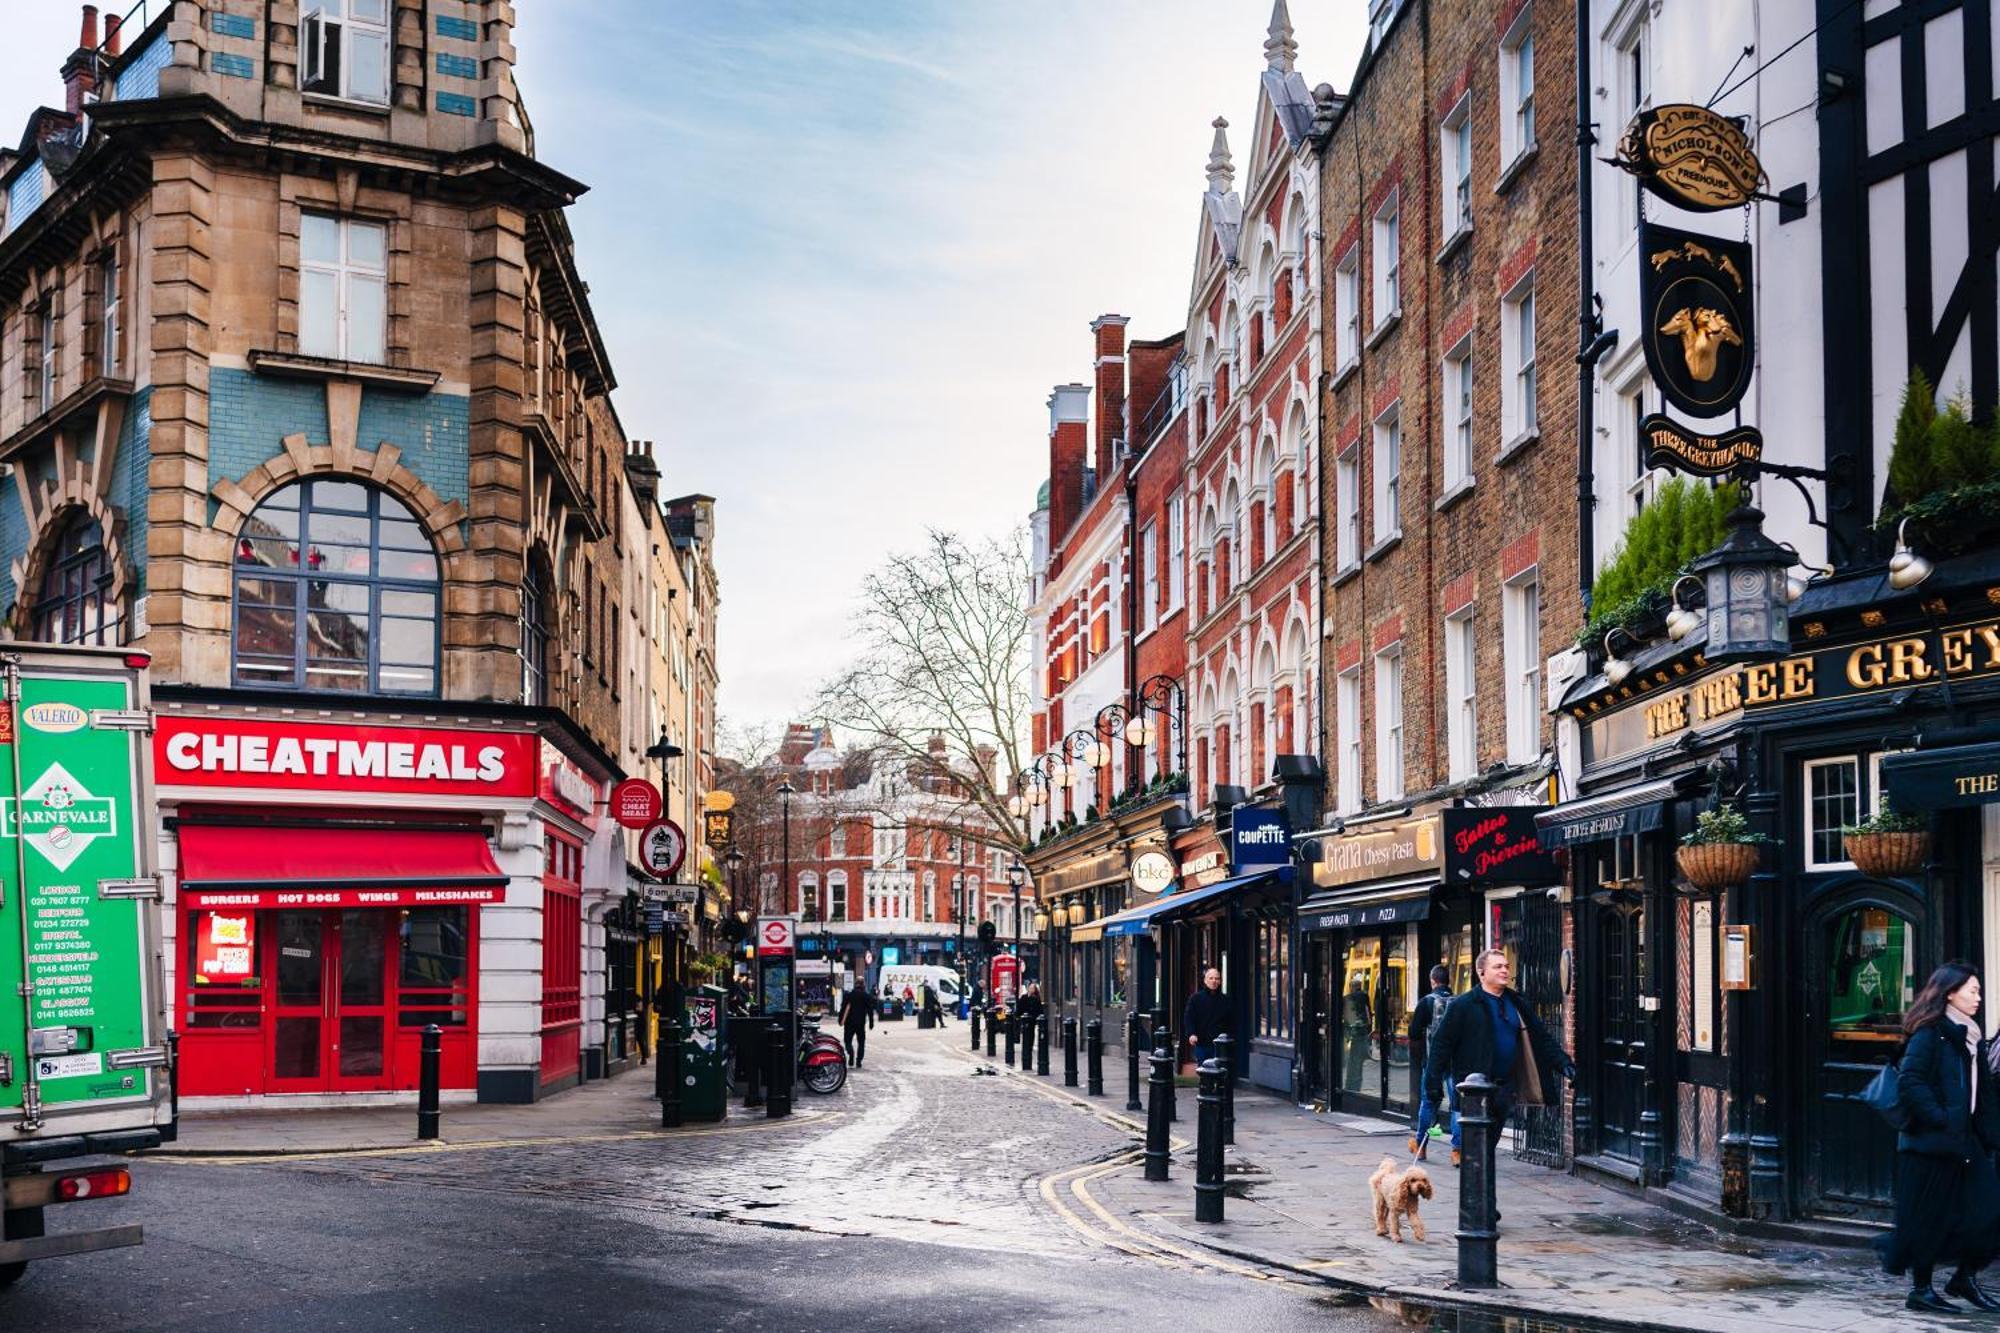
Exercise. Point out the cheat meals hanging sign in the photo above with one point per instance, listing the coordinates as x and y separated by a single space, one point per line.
331 757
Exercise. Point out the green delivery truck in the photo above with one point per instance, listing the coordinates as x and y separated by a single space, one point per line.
84 1051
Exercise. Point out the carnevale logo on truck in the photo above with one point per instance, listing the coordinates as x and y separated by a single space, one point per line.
58 817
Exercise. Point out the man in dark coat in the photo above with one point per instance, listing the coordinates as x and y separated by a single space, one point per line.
857 1015
1206 1016
1481 1033
1428 1011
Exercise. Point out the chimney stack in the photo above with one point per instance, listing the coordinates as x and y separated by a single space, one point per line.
79 72
1110 334
112 35
1069 442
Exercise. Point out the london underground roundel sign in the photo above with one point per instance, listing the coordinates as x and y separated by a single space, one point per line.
662 848
635 802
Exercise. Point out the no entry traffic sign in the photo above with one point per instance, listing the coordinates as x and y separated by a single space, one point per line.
662 848
635 802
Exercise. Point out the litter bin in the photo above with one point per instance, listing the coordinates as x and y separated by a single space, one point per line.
704 1056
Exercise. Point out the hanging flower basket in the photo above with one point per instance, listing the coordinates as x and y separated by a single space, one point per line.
1717 865
1884 855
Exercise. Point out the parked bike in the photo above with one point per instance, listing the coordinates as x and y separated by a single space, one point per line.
822 1060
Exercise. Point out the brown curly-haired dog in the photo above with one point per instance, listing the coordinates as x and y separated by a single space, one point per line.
1396 1195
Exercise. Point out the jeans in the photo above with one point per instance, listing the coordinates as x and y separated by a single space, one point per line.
857 1045
1203 1053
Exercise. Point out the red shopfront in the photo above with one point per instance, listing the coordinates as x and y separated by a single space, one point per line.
316 941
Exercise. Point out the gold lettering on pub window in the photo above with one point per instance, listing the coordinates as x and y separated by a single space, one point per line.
1979 784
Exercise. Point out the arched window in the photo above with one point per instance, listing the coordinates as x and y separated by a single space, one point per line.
336 590
534 634
74 602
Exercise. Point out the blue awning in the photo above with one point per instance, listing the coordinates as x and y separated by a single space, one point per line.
1137 920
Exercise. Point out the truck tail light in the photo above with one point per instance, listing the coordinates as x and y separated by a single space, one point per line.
138 661
94 1185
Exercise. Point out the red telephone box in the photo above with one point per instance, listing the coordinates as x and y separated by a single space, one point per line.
1004 980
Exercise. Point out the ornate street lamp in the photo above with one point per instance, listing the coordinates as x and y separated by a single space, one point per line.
1746 582
1160 694
1017 877
787 791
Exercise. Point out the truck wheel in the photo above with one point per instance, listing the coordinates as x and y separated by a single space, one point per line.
19 1225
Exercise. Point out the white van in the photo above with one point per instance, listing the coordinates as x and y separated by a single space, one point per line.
943 979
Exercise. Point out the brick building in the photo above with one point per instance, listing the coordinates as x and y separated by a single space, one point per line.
301 394
1449 211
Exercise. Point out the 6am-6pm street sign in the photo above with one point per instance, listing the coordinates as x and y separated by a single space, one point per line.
662 848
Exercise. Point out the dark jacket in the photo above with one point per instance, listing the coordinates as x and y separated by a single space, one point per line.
857 1010
1429 1009
1029 1006
1934 1089
1461 1045
1206 1016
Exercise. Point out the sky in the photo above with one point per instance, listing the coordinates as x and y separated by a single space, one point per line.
840 250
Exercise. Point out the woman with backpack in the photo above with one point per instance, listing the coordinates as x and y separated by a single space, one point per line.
1948 1104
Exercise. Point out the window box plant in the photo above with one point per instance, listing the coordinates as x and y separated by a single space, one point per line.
1888 842
1721 851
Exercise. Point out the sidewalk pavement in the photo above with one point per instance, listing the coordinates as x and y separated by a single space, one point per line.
1298 1199
616 1107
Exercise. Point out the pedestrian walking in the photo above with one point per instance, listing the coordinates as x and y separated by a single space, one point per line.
1030 1004
857 1015
933 1013
1427 1012
1492 1031
1206 1016
1947 1193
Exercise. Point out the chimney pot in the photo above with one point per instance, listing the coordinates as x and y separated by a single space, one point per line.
88 40
113 33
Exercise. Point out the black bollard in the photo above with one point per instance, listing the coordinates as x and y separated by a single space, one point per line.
992 1032
1133 1036
778 1070
1478 1232
1160 1029
1158 1152
1208 1144
1069 1052
1093 1046
973 1009
174 1074
1042 1046
1225 1055
427 1082
1013 1022
667 1075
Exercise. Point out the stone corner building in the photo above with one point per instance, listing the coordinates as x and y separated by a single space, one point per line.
301 393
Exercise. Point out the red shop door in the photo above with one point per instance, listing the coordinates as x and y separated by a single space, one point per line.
330 1002
562 961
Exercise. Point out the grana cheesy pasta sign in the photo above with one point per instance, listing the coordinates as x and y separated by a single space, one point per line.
332 757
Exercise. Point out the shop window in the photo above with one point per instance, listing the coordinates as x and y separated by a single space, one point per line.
1117 987
336 591
431 976
1833 800
224 986
1274 1011
74 604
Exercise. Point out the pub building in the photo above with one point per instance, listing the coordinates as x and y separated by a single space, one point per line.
1394 894
1722 1033
336 881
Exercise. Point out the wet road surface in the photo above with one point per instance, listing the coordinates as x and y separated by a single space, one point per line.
915 1202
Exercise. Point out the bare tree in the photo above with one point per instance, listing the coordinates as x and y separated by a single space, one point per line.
942 650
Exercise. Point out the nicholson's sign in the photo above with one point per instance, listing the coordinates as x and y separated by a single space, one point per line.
1691 157
1695 307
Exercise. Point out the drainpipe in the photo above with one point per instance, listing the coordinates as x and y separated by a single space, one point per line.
1591 342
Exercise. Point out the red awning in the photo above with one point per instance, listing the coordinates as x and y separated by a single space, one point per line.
238 866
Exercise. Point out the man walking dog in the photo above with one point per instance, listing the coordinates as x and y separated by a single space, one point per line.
1491 1030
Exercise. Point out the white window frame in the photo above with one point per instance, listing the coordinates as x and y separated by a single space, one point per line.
1347 704
1176 551
114 313
1387 473
330 26
1460 431
1640 483
1386 236
347 274
1455 168
1521 642
1347 504
836 895
1461 691
1347 308
1149 577
1517 90
1808 806
1389 773
1520 388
